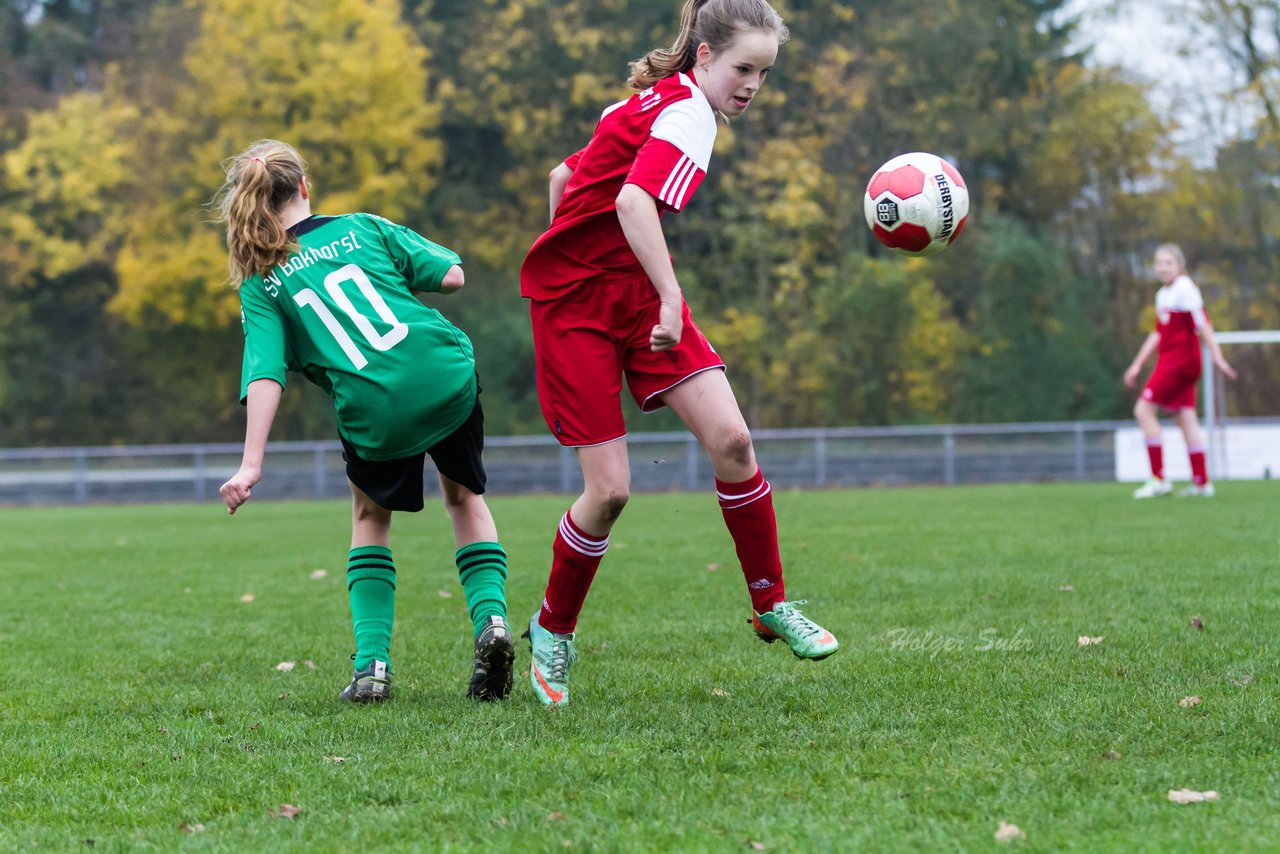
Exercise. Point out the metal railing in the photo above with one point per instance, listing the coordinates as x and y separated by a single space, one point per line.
817 457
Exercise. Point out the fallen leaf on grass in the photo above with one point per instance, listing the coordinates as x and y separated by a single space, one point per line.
1007 832
190 828
712 567
1111 754
248 597
1243 680
336 760
285 666
162 731
311 665
1067 588
756 846
317 574
1197 623
287 811
720 692
555 816
1085 640
1188 702
444 594
1187 796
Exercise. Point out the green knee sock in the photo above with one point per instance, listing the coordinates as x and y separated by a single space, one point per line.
482 569
371 583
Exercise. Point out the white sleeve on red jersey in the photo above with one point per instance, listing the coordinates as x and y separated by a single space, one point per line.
673 160
1185 296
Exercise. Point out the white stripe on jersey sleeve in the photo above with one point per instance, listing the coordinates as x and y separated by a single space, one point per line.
684 166
681 190
690 126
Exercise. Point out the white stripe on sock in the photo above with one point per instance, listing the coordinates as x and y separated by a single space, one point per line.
580 543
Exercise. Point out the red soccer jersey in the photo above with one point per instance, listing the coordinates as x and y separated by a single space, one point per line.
1179 313
660 140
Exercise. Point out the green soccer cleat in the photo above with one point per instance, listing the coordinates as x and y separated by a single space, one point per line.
806 638
491 678
371 685
551 657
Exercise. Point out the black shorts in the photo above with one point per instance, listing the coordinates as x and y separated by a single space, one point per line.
398 485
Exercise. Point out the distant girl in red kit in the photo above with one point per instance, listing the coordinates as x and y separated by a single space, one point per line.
1180 318
605 304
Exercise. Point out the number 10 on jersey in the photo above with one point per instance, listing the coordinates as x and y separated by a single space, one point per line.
333 285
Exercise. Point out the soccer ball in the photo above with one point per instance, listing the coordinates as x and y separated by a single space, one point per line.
916 204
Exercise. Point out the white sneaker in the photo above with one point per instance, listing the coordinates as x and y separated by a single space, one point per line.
1153 488
1194 491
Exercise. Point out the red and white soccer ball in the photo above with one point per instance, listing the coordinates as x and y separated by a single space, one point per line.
917 204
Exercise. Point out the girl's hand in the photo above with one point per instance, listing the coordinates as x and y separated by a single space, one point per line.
666 334
1226 368
1131 376
239 489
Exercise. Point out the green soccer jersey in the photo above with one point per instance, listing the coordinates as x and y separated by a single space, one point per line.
342 311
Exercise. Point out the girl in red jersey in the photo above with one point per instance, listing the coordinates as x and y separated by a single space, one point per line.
1180 318
605 304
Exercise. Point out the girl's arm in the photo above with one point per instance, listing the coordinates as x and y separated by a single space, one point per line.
262 400
559 178
453 280
1206 335
638 214
1144 352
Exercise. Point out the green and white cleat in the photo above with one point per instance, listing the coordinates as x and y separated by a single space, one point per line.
370 685
1153 488
551 657
806 638
1197 491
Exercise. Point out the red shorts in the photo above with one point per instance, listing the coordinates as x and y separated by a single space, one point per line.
587 340
1172 389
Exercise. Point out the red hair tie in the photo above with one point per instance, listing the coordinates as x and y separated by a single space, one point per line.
260 160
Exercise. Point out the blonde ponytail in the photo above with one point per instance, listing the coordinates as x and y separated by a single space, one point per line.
715 22
260 181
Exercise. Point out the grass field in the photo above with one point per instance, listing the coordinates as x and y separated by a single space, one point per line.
141 695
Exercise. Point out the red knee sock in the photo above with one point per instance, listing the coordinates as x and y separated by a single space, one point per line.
1199 472
748 513
575 557
1155 452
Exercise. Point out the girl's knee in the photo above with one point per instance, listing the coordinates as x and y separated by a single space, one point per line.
610 501
614 503
734 445
364 510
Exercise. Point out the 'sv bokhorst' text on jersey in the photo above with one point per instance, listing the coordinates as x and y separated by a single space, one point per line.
660 140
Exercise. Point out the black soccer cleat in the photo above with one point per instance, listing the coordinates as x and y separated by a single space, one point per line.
491 678
371 685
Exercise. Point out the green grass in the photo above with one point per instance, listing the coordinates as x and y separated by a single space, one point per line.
139 693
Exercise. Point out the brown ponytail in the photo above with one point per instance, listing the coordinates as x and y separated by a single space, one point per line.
715 22
261 180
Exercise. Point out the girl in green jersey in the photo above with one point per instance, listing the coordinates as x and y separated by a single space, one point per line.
333 298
